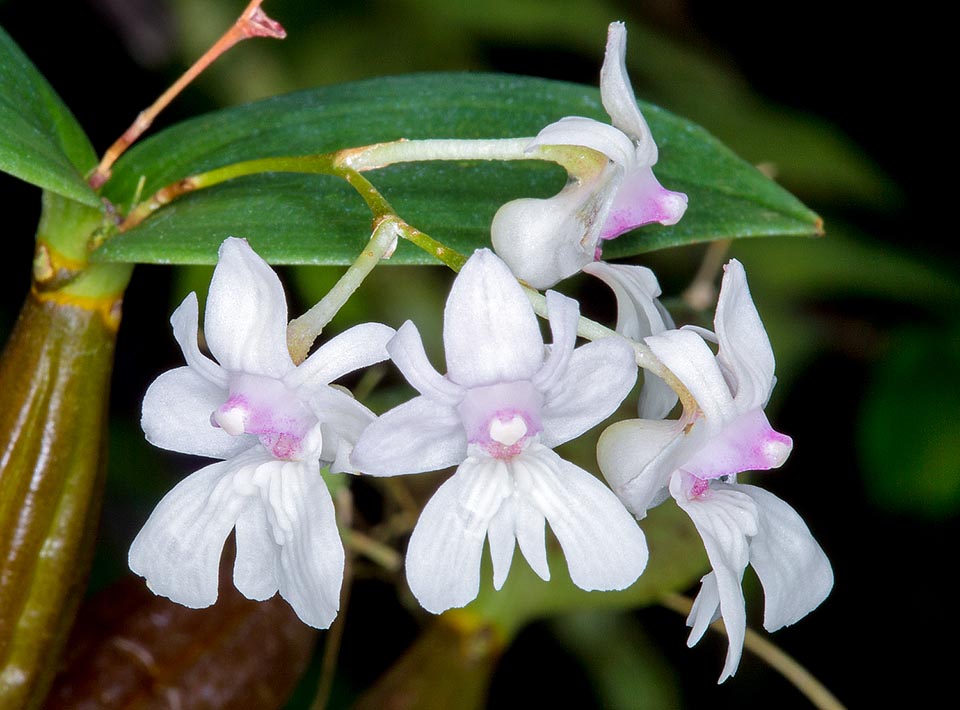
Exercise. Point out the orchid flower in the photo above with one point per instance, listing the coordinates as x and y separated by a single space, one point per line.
639 314
612 188
696 459
274 424
503 405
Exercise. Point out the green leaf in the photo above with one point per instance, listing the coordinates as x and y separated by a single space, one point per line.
316 219
41 142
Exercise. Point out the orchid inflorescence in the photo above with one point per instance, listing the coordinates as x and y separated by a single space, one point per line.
506 401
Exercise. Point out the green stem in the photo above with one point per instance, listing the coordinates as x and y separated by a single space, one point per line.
303 331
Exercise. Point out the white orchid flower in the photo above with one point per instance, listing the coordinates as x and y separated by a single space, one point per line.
503 405
612 188
274 424
696 460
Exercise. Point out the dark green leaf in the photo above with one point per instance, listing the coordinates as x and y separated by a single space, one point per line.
40 142
306 219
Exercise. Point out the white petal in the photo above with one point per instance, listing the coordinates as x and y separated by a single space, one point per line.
311 553
641 200
343 421
245 323
725 519
688 357
603 545
586 132
406 351
531 536
490 332
795 573
176 416
419 435
564 314
546 240
705 609
359 346
639 314
618 98
178 550
502 536
637 457
443 557
599 376
256 567
744 346
186 324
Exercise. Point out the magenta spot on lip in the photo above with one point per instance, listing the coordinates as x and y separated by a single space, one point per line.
698 487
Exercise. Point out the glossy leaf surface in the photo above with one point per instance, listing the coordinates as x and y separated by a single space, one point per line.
319 220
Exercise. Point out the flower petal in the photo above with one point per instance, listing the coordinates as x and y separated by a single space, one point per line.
589 133
637 457
604 547
245 323
343 420
618 98
600 374
443 557
564 314
795 573
490 332
176 416
705 609
359 346
725 519
255 569
311 553
406 351
688 357
178 550
419 435
641 200
531 537
745 349
502 535
186 325
748 443
639 314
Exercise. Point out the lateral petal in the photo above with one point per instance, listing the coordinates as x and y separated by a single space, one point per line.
597 379
793 569
359 346
490 332
564 314
406 351
245 323
186 324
